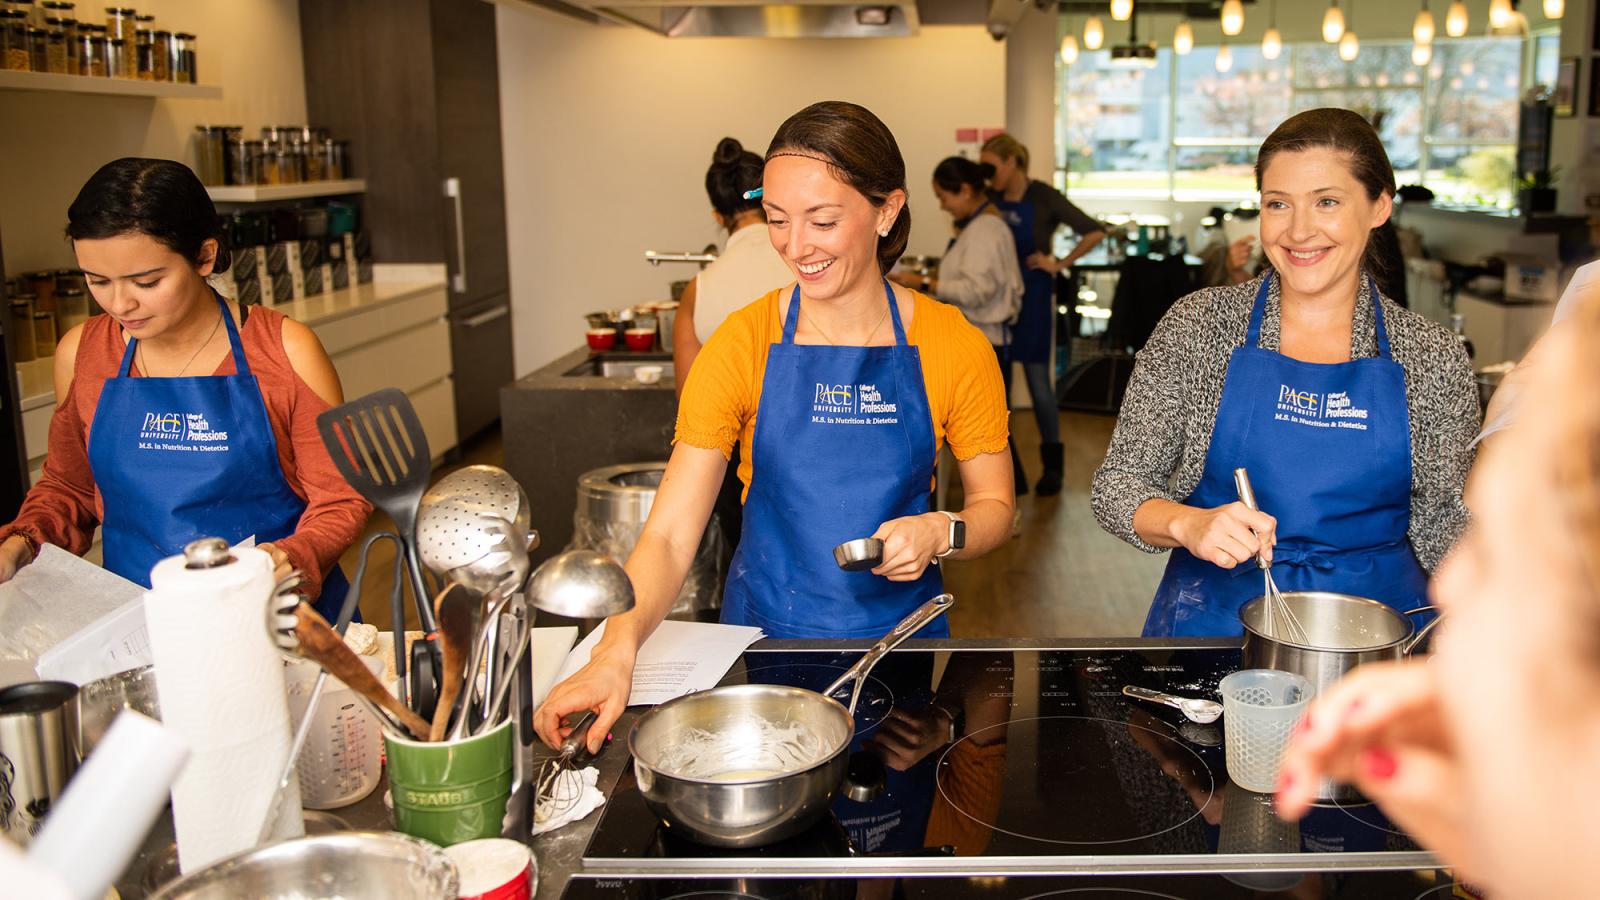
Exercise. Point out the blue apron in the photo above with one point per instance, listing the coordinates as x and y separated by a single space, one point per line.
843 443
1328 447
1030 336
178 459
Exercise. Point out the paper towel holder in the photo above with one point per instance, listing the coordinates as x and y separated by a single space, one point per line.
207 553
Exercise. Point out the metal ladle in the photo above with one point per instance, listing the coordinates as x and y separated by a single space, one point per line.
1197 710
581 584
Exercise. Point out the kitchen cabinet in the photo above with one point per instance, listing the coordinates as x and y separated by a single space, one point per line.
415 86
13 458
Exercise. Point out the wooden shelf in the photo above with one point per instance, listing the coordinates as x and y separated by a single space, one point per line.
265 193
120 87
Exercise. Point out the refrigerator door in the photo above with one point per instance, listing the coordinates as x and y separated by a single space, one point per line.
480 349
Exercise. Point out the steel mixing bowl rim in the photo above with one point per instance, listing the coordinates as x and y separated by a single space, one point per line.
732 689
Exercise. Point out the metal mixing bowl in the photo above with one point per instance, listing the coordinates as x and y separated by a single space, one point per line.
748 813
353 865
101 701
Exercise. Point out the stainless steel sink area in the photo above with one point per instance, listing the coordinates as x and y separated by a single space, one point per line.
622 365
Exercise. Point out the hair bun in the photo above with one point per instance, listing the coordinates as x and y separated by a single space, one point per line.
987 170
728 152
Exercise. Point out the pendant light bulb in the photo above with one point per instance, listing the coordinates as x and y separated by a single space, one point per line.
1555 9
1349 46
1455 19
1121 10
1333 23
1094 34
1272 44
1224 58
1499 13
1421 54
1423 30
1069 49
1232 17
1183 38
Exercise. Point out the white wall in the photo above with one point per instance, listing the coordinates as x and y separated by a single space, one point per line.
608 132
52 142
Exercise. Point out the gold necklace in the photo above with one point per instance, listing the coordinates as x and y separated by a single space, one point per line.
818 328
144 363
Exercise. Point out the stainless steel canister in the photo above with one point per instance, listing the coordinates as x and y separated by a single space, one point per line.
36 757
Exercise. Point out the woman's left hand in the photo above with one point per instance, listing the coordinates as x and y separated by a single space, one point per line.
1045 263
909 544
280 560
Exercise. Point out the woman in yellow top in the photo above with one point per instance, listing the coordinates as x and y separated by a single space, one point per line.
843 388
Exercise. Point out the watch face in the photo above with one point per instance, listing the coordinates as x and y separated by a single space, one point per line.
958 534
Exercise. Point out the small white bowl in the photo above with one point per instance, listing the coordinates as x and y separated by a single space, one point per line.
647 374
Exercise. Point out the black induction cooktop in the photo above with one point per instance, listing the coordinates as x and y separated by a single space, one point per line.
1051 771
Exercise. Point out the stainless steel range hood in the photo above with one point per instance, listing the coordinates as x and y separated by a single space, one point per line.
757 19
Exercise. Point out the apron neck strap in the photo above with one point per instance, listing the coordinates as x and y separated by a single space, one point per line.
240 363
1381 330
792 320
1259 311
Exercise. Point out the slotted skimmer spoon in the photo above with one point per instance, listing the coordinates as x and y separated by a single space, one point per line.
1277 618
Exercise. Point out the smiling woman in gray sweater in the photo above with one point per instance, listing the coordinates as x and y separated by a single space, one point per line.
1353 417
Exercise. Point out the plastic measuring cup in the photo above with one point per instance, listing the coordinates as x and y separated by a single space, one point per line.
1259 709
343 755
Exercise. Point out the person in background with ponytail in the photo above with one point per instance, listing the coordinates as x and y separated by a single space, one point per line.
180 414
748 266
842 390
1035 210
979 272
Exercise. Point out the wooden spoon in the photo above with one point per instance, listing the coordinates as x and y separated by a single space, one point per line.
319 642
458 611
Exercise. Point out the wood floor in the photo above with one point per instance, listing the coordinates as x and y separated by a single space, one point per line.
1062 577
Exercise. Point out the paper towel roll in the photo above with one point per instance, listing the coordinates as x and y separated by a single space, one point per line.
222 691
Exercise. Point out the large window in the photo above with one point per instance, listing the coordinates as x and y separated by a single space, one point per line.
1186 131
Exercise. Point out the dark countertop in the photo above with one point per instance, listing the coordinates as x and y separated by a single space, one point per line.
558 426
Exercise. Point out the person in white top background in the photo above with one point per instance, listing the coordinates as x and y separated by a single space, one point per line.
748 268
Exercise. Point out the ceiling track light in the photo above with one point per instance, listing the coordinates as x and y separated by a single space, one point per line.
1555 9
1121 10
1455 19
1069 49
1224 58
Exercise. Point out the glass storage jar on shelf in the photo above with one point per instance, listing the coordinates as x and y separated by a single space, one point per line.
38 50
72 308
44 334
20 320
14 40
91 50
121 23
180 57
244 161
144 62
31 12
56 52
116 57
209 146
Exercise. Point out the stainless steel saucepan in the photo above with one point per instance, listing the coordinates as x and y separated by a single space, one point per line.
1342 632
772 756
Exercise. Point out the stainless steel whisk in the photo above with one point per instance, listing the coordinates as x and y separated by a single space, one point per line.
554 795
1277 617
